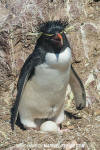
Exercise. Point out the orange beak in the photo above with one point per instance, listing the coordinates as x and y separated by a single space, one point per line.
60 37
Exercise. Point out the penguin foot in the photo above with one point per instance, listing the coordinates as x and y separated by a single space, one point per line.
28 124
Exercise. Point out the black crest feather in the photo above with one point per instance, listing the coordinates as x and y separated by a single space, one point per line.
51 27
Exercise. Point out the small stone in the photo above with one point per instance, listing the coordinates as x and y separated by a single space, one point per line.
84 116
71 127
97 112
68 123
97 8
89 80
86 110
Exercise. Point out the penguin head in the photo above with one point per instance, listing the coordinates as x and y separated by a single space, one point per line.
53 36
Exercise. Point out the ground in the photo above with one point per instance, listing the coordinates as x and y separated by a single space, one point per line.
82 133
81 129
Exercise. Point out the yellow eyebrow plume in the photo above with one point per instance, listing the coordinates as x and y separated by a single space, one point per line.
47 34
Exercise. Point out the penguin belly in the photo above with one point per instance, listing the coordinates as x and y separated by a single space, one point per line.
44 94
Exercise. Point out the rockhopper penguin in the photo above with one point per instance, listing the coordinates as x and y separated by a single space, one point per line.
44 78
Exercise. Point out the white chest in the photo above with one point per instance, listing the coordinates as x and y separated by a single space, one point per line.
54 72
61 60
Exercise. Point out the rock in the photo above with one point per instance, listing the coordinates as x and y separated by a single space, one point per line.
3 14
71 127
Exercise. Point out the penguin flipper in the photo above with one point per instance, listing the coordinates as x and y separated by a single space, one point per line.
77 89
26 71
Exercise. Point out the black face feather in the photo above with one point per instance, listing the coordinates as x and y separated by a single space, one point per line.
49 39
52 27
